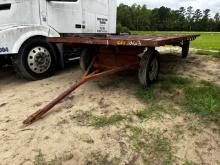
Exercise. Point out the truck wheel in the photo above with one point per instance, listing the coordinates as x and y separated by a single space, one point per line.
86 58
36 59
149 67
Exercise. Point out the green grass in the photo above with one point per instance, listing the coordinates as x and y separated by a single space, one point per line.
193 127
155 111
215 54
146 94
149 113
207 41
170 82
153 147
98 158
101 121
167 84
203 100
88 119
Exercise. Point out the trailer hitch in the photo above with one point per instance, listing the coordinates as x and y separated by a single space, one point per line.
85 78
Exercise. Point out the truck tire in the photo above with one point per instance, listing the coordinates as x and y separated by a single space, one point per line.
36 59
149 67
2 61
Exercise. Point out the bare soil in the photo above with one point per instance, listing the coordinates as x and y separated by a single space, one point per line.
61 132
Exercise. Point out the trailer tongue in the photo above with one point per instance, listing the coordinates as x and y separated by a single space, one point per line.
111 54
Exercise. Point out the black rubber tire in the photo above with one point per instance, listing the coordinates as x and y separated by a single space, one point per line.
145 67
86 58
20 61
2 61
185 49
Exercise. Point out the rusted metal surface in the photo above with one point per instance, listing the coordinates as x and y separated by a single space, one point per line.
121 60
130 40
117 56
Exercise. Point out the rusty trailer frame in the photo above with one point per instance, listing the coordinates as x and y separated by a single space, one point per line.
106 55
126 40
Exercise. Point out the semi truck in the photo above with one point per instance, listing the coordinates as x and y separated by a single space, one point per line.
25 25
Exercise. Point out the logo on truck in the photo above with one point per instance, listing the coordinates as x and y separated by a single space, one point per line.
3 49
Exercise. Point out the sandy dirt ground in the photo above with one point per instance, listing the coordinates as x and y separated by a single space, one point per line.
61 134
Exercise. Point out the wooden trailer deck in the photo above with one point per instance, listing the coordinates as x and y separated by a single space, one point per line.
126 40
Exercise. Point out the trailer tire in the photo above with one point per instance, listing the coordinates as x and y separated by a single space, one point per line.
36 60
185 49
86 58
149 67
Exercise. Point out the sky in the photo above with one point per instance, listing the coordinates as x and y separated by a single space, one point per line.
214 5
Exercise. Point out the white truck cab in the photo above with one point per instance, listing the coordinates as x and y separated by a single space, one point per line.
25 24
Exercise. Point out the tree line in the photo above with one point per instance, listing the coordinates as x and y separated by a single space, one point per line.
140 18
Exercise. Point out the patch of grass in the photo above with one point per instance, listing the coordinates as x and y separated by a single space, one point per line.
169 82
204 100
146 94
88 119
82 117
153 147
192 127
98 158
154 111
159 99
101 121
215 54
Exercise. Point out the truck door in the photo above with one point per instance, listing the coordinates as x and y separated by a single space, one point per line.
65 16
95 16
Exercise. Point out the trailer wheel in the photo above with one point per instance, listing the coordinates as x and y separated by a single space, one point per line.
86 58
149 67
36 59
185 49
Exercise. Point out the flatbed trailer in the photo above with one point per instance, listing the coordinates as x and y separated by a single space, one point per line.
106 55
125 40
